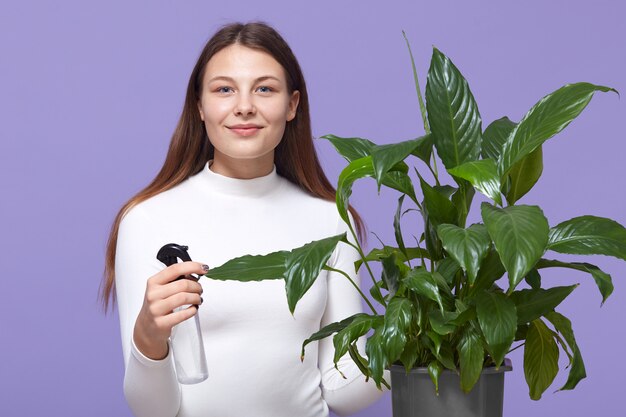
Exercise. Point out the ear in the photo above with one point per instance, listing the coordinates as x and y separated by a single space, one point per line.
294 100
200 110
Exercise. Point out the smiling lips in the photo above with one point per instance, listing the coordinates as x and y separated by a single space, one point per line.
245 130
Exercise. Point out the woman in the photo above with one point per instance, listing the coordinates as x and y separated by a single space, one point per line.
241 177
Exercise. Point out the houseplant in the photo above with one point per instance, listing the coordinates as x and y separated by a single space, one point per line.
455 300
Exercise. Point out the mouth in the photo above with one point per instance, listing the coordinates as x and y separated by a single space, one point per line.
245 130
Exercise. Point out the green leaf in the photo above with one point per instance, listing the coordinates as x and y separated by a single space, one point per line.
498 320
471 358
589 235
376 356
545 119
434 370
422 282
329 330
351 148
448 268
397 227
417 87
385 157
520 235
394 332
532 304
438 207
303 265
400 181
409 354
359 168
377 254
251 268
424 148
602 279
442 322
533 279
491 270
452 113
495 137
483 175
391 274
541 356
359 360
524 175
468 247
350 333
577 371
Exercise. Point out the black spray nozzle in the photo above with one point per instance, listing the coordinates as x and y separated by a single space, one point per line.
170 253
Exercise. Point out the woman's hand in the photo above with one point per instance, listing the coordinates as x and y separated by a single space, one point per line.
164 294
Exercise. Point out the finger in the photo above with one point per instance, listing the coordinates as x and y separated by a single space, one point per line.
164 307
178 317
172 272
162 292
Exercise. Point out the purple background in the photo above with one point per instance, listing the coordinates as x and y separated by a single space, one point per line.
90 94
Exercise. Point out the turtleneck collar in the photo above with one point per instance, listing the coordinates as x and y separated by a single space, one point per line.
236 186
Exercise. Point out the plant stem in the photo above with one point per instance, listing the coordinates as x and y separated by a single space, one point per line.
363 258
417 87
516 347
354 284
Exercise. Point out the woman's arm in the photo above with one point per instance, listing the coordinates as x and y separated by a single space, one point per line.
146 296
344 396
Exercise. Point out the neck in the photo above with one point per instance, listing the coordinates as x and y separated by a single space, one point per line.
242 168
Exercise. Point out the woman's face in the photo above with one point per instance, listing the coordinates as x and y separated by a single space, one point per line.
245 104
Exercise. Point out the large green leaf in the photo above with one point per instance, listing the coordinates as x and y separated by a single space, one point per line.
602 279
471 358
524 175
498 320
251 268
495 136
350 333
520 235
303 265
394 332
359 168
422 282
466 246
589 235
541 357
532 304
545 119
577 370
351 148
483 175
452 113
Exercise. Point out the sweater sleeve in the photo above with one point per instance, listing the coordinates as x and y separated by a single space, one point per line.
344 396
150 387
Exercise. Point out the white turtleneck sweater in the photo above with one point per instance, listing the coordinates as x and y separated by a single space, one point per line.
251 340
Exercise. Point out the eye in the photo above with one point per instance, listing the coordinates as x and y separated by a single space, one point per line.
265 89
223 90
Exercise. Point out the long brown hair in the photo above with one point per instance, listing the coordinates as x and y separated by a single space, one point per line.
190 149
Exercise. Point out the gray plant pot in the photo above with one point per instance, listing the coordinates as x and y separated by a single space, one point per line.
413 395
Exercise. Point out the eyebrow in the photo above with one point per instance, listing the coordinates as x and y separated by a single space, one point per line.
262 78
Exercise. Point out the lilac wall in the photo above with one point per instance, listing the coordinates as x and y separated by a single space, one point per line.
89 96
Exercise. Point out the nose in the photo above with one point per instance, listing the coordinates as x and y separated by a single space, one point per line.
244 105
